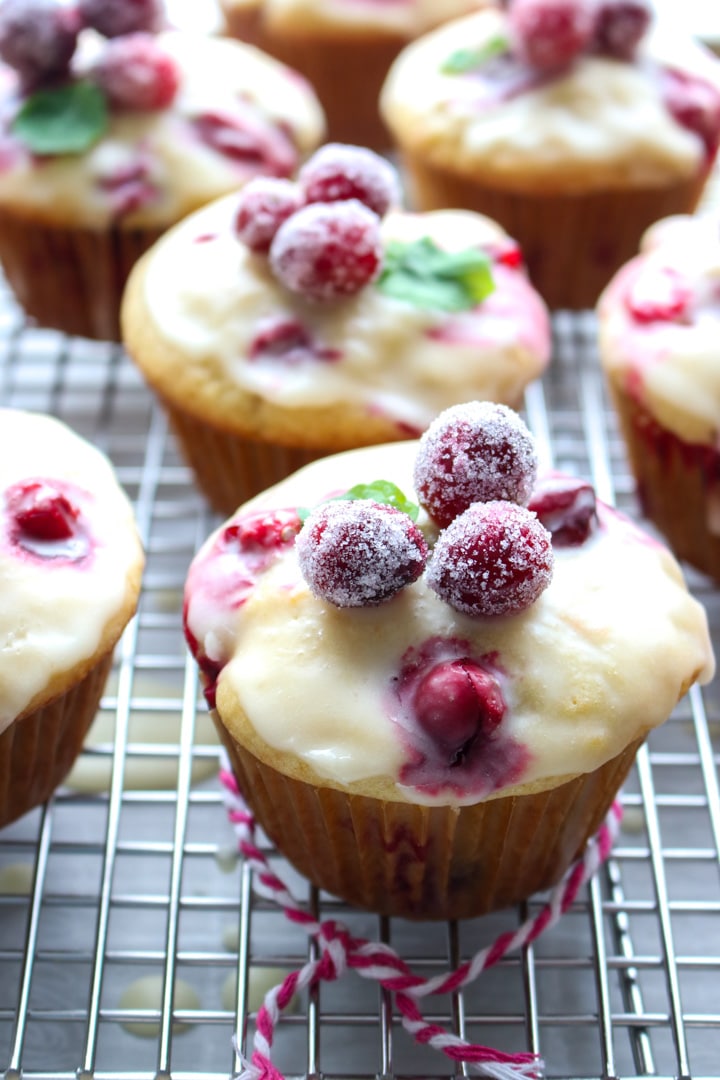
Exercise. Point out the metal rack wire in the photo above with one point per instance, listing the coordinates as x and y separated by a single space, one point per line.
131 947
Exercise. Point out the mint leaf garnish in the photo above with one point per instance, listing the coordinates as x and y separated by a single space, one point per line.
67 120
425 275
386 493
463 60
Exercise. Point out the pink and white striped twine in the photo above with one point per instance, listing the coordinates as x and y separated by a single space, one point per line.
340 950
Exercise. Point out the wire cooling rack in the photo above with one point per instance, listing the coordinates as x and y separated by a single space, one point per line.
131 947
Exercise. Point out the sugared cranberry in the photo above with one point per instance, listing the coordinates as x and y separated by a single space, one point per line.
659 294
137 73
328 250
620 26
495 559
360 552
114 18
455 702
694 103
337 172
471 453
41 511
38 39
251 142
264 203
566 506
550 34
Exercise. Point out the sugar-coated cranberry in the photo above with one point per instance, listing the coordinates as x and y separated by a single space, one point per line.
38 39
566 506
620 26
359 553
659 294
41 511
328 250
470 453
455 702
115 18
136 72
550 34
695 104
242 136
495 559
264 203
338 172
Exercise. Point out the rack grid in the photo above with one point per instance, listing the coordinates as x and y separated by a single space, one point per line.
131 945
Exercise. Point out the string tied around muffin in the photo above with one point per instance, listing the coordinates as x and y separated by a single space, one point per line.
340 950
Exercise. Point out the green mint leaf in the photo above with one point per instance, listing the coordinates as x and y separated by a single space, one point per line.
380 491
463 60
423 274
66 120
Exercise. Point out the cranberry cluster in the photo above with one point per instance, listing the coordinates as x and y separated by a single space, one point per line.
39 37
550 34
475 475
321 233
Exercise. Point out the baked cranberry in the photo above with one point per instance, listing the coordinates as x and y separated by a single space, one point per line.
695 104
456 701
358 553
620 26
41 511
128 187
328 250
659 294
470 453
550 34
265 202
38 39
288 340
136 72
337 172
566 506
114 18
262 532
244 138
495 559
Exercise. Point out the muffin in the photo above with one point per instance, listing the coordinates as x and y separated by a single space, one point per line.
132 133
70 567
344 47
430 720
659 339
352 329
575 142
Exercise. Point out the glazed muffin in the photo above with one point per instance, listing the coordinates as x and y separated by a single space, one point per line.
70 567
574 141
432 668
344 48
352 329
109 140
659 335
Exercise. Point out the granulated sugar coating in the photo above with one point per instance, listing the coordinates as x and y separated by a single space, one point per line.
338 172
359 552
474 452
495 559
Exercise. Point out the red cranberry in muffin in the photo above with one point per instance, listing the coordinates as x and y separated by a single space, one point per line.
620 26
357 553
114 18
135 72
550 34
38 39
337 172
567 507
327 251
495 559
264 204
41 511
456 701
471 453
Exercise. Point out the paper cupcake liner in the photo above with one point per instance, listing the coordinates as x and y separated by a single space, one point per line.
71 279
678 484
572 243
423 862
38 750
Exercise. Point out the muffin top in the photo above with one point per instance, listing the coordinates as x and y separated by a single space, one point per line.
583 113
144 128
403 18
369 323
70 560
659 326
513 648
